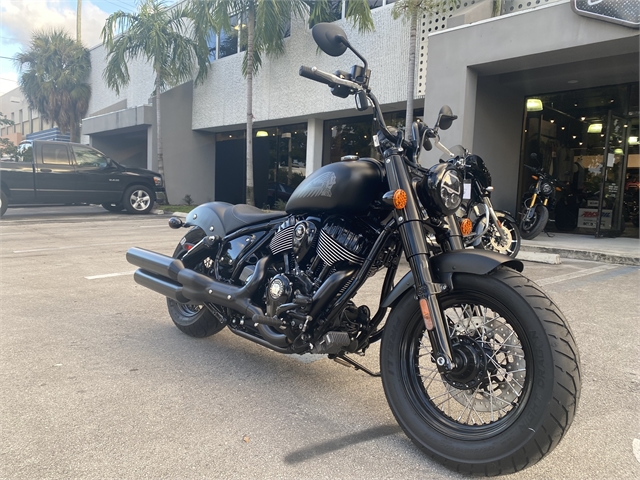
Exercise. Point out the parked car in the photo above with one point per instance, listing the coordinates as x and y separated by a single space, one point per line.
47 172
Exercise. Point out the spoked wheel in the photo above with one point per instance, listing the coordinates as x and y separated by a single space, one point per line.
516 384
530 228
508 243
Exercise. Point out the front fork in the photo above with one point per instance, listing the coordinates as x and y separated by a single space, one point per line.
409 220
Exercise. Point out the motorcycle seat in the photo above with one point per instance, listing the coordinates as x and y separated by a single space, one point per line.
235 217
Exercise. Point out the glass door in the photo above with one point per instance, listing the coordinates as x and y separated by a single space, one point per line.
611 187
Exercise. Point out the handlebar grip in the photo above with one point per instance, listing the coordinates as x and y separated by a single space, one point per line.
312 73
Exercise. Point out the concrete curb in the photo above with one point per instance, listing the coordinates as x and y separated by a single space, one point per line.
538 257
584 255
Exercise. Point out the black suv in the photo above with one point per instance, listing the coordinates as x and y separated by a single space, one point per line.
46 172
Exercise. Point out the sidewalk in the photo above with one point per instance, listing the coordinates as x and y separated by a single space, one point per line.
625 251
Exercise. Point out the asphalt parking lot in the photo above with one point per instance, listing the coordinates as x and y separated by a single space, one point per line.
97 383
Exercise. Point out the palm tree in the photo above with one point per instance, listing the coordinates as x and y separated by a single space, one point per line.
266 22
158 34
53 75
411 11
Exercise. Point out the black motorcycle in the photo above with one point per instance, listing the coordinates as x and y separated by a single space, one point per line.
478 365
538 201
480 224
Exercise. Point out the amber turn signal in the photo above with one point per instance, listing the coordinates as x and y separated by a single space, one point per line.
534 177
465 227
399 199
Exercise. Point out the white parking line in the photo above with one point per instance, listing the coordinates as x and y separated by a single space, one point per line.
48 249
108 275
571 276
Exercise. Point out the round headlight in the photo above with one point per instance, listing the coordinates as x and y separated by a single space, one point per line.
440 191
546 188
451 190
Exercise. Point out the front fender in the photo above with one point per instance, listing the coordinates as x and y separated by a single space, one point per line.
478 262
506 215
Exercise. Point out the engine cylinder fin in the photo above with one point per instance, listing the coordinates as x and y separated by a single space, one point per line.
331 252
282 240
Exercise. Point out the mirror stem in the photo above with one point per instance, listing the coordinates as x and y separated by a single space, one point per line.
350 47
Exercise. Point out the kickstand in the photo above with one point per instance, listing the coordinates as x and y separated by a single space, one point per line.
348 362
548 234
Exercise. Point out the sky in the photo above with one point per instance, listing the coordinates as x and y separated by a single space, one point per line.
19 18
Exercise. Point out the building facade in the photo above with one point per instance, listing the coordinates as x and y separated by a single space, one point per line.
487 60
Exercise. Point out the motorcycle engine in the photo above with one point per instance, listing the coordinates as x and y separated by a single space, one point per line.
313 251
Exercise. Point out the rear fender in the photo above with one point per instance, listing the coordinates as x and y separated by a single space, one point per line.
208 217
444 266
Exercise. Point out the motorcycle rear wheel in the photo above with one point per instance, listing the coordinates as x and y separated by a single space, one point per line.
516 395
194 320
531 228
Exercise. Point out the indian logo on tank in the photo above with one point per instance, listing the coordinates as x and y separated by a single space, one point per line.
319 187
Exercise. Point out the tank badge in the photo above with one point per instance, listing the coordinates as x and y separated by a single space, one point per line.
319 187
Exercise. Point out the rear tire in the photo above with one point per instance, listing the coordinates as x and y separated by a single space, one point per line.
4 203
530 229
194 320
488 418
138 199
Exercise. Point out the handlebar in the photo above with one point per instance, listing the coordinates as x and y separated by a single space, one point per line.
312 73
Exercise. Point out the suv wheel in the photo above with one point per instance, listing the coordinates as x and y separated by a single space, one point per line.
138 199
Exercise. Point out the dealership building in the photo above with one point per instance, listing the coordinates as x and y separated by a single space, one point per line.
554 78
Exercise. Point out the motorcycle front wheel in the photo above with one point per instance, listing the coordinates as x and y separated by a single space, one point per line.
530 228
514 391
508 244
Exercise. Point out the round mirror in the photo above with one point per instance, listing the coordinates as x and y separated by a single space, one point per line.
445 117
328 37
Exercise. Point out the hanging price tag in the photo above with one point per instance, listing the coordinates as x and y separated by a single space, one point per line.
466 195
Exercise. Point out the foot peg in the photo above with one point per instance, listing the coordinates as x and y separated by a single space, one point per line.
332 343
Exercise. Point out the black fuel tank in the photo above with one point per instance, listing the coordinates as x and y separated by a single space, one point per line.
345 187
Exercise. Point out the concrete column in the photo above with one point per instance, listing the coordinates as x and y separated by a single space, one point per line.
315 127
151 147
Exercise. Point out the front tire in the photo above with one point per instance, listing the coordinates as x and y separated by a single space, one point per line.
138 199
509 245
531 228
516 392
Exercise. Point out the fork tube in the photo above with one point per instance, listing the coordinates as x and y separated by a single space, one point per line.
409 222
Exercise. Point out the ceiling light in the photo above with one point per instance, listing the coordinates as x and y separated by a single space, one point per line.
573 136
633 140
262 133
562 128
618 151
583 118
534 105
594 128
552 121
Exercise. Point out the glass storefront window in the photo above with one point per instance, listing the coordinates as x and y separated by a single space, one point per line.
581 138
352 136
279 160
